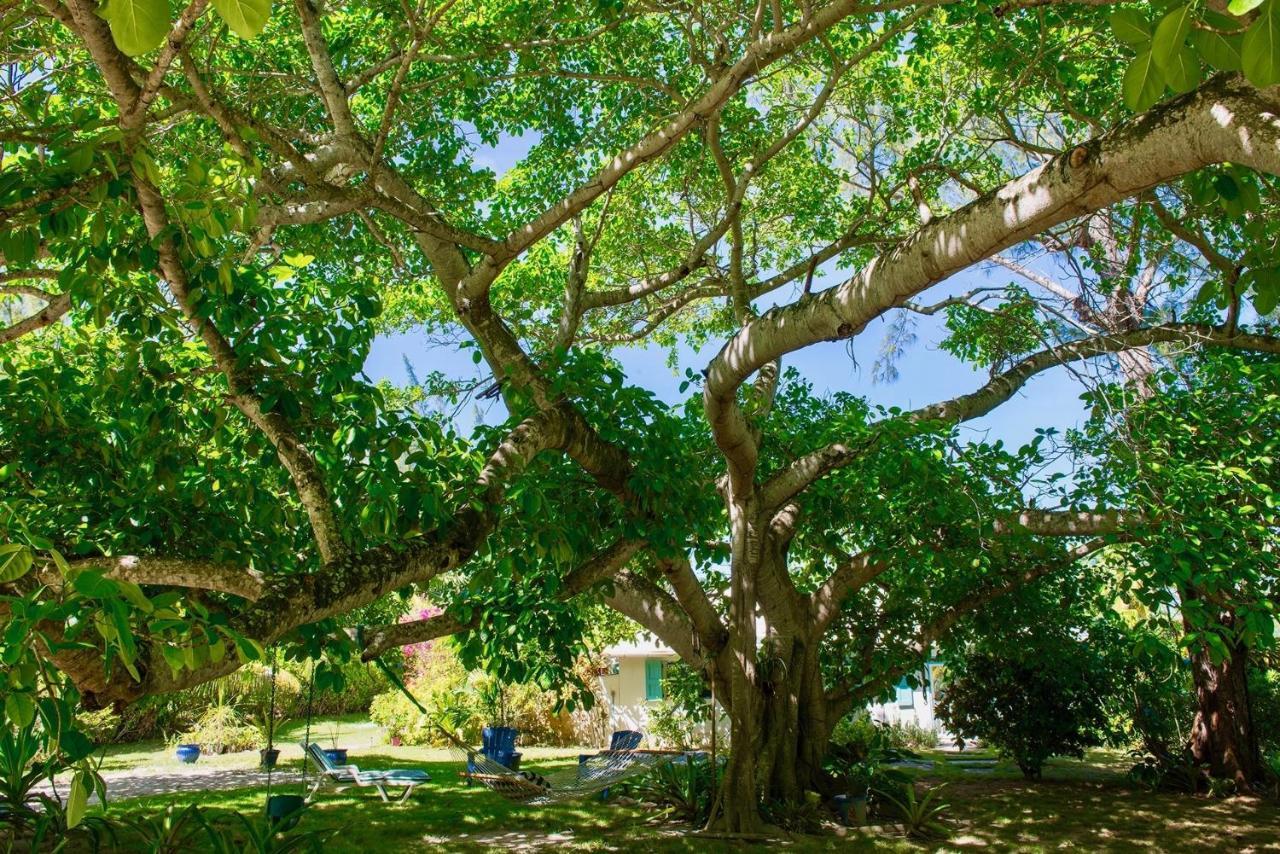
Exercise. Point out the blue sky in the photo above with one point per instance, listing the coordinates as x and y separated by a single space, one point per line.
926 374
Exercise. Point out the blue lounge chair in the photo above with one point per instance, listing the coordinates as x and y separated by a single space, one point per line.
341 776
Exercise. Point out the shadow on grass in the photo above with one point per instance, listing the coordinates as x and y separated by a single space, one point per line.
1086 806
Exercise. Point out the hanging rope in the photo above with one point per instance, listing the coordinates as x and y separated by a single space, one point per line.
271 718
306 739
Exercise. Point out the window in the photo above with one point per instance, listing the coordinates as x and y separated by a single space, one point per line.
653 678
906 697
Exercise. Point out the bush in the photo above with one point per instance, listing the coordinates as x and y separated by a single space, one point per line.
910 735
683 789
680 719
402 721
222 729
1264 703
100 726
1030 702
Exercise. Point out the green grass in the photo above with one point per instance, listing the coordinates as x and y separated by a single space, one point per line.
1085 805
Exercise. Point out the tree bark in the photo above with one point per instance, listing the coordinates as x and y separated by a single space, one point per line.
1222 734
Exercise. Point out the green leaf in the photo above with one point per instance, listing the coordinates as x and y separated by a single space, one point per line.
1222 52
77 799
1143 83
137 26
246 18
20 708
1184 71
133 593
1242 7
249 649
15 562
1170 36
1260 52
1130 27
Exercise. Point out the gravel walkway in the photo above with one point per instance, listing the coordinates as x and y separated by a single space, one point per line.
141 783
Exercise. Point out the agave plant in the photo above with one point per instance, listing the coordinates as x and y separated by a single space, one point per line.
922 818
236 834
684 789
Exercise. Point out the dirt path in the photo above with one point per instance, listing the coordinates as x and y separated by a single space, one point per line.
141 783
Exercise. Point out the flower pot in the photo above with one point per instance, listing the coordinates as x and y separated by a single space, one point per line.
283 811
188 753
859 803
269 757
396 741
337 755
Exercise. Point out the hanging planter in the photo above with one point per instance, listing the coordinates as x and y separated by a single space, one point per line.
283 811
188 753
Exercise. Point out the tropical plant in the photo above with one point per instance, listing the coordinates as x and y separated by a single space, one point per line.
682 789
235 834
169 831
921 817
861 763
222 729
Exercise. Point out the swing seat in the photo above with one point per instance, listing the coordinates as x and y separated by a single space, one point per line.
341 776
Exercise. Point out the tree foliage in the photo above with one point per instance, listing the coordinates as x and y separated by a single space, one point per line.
210 214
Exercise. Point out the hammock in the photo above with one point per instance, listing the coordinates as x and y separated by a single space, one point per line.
593 774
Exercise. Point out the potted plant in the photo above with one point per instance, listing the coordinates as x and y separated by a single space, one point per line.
335 754
853 768
859 768
269 754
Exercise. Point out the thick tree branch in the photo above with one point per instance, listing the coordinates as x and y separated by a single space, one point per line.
1224 120
178 572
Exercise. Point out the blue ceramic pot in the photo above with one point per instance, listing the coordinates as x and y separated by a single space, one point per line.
188 753
337 755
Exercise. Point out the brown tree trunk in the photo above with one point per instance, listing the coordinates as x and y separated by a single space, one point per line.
1222 734
740 797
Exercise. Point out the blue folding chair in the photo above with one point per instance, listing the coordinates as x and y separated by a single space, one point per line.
623 739
498 744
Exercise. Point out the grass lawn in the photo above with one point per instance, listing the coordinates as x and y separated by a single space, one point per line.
1080 805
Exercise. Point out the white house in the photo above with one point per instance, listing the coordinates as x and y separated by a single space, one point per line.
633 686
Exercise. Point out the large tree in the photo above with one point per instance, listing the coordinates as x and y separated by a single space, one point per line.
208 218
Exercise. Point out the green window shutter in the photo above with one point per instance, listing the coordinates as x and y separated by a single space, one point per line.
906 699
652 679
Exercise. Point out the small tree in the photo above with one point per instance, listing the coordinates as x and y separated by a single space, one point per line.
1044 699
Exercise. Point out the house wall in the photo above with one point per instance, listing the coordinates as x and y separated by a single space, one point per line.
629 709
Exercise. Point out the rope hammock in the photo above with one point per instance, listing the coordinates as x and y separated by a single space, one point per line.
593 774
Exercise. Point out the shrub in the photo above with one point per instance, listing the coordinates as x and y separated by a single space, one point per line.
681 718
401 719
222 729
1264 707
1031 702
910 735
682 789
100 726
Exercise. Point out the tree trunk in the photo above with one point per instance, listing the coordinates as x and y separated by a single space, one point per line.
1222 734
740 791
